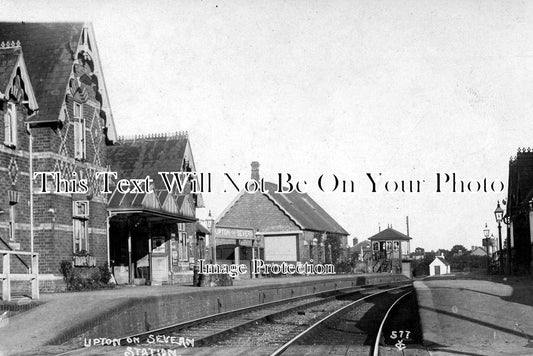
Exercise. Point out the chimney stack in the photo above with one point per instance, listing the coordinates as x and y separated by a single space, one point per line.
255 170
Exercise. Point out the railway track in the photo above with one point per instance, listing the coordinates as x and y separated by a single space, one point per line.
382 323
226 330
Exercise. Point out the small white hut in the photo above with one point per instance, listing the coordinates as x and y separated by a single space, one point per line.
439 266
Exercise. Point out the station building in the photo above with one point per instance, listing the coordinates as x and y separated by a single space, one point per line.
56 119
519 211
390 251
289 227
154 237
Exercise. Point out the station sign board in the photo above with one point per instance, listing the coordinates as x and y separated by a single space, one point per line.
222 232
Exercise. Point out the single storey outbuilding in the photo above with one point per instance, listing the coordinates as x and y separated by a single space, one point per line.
287 227
439 266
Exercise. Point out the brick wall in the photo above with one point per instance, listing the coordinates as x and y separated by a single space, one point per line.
53 149
136 314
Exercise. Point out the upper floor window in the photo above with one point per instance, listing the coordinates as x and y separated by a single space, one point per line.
77 111
80 209
79 132
10 125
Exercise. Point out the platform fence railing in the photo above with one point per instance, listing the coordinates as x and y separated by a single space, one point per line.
6 277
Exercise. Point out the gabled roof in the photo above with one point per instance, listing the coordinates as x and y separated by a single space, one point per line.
304 211
15 82
50 52
365 245
442 260
8 61
478 250
141 156
389 234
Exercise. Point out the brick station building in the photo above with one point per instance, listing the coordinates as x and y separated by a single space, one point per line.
289 227
52 94
519 213
154 235
56 117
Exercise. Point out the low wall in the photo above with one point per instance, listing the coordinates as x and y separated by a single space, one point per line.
143 314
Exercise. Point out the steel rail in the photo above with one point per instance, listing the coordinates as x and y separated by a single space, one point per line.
380 330
257 307
235 312
284 347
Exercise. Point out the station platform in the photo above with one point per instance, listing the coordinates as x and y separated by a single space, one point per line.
484 316
124 310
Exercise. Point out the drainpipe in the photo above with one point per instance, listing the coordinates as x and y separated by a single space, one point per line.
31 186
107 222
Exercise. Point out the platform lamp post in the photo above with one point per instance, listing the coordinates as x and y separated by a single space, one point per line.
211 226
486 232
507 221
498 214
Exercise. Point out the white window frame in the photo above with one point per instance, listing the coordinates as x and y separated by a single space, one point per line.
80 236
80 209
80 233
10 125
80 149
77 111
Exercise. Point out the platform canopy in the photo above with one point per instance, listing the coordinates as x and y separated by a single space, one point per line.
143 156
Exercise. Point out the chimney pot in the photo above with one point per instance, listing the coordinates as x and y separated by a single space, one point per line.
255 170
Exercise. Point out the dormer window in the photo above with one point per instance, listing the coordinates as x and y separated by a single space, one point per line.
10 125
79 132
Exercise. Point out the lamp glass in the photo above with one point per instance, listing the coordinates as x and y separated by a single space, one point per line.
498 213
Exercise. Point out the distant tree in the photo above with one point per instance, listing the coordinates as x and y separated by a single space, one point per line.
458 250
421 267
444 252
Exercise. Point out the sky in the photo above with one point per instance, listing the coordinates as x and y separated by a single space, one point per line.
405 89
